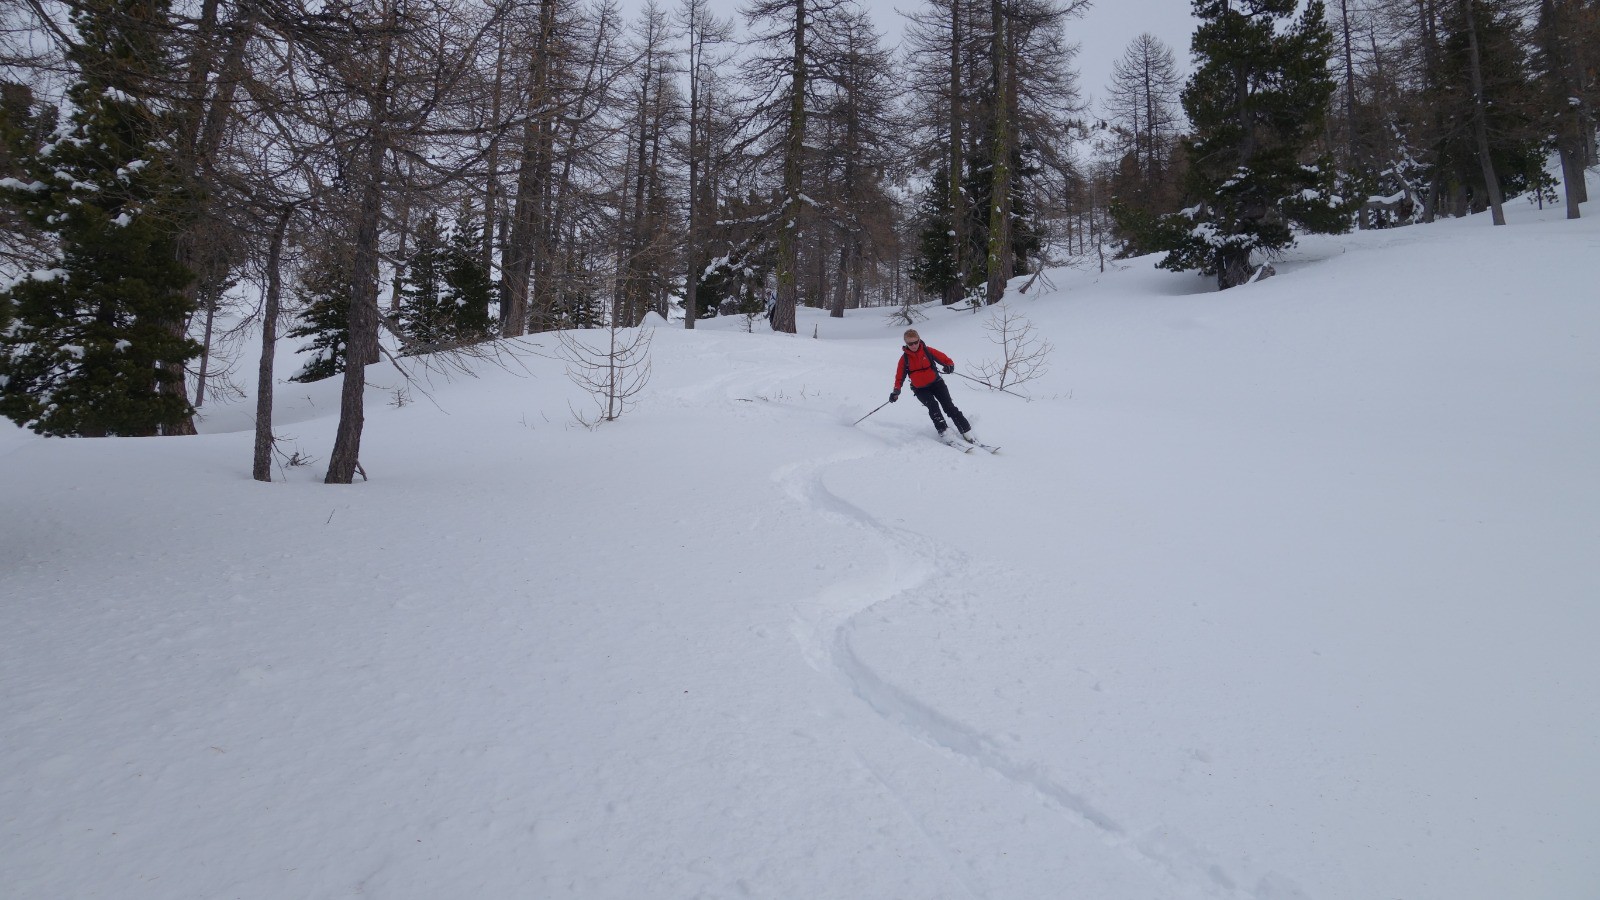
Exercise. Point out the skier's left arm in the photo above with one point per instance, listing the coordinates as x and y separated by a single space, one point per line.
945 361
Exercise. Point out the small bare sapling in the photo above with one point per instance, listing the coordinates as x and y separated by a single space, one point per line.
906 311
1024 355
613 374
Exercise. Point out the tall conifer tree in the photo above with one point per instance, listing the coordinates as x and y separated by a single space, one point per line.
95 339
936 268
467 280
1256 101
324 294
424 305
445 290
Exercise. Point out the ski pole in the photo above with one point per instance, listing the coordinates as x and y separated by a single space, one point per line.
987 385
864 418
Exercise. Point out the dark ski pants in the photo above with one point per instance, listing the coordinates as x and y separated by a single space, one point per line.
936 395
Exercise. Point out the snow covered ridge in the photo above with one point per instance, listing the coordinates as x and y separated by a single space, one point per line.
1283 592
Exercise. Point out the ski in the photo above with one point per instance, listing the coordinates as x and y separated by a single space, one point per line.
955 443
988 447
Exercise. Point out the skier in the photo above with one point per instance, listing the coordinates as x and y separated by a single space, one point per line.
918 362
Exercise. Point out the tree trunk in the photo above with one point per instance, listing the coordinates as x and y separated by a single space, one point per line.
1349 98
783 316
517 258
691 244
849 235
691 248
841 287
1572 175
1480 124
819 287
1008 260
261 467
401 258
533 177
1000 184
619 281
362 348
1427 27
958 196
205 350
634 288
491 187
1553 33
657 220
1233 269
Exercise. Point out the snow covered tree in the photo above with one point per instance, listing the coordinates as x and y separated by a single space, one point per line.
738 242
1257 102
24 124
96 339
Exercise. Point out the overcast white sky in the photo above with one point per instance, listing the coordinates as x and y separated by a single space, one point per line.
1106 29
1103 32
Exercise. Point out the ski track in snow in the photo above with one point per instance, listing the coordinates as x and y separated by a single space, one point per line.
824 633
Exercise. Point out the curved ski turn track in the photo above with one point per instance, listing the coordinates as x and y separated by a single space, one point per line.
934 569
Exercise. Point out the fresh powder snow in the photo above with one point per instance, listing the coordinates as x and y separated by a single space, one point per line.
1284 592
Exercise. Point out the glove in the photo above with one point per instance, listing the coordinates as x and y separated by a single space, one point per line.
949 370
894 395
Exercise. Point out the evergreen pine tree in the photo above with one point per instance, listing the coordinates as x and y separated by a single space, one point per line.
739 242
445 289
1026 237
89 338
425 311
935 268
736 281
23 125
467 280
324 295
1257 101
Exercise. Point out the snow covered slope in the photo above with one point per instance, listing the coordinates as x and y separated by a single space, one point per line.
1288 592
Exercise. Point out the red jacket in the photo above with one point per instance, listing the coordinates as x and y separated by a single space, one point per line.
919 366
